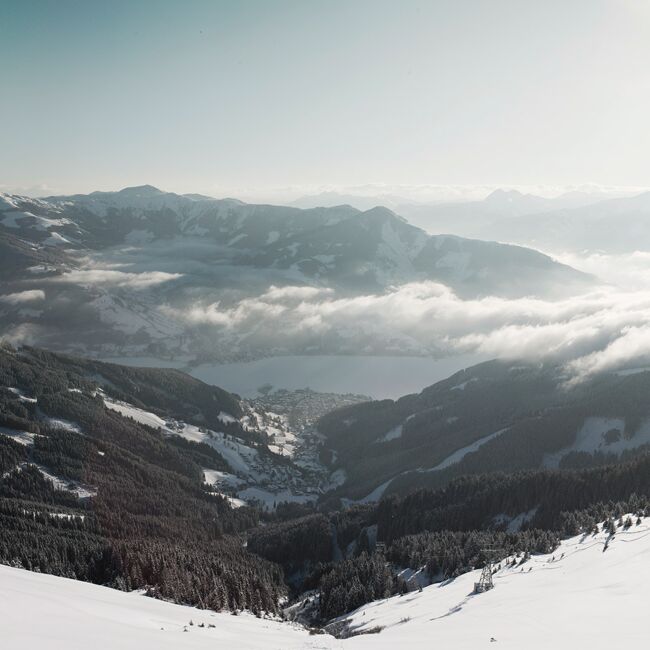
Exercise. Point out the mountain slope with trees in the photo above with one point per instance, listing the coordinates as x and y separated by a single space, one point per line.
90 494
494 417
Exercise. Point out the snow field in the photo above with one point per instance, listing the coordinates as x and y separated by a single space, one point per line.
578 595
587 593
42 611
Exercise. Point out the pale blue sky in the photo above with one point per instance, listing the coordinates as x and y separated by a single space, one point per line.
221 97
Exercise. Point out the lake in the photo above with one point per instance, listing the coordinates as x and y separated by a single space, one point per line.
378 377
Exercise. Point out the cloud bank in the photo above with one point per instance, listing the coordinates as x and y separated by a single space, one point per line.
600 330
111 277
22 297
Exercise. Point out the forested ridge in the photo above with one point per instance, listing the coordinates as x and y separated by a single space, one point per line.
131 509
516 413
445 531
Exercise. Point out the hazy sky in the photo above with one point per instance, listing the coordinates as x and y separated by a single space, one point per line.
226 97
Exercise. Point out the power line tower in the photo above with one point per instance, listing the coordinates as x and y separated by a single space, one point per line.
485 582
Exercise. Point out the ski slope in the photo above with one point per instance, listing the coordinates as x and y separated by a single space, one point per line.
139 415
579 596
452 459
593 436
41 611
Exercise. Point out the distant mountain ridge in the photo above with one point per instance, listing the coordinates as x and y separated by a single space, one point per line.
574 221
114 258
616 225
367 250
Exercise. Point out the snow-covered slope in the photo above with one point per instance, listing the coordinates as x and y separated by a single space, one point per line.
580 595
59 614
591 592
255 477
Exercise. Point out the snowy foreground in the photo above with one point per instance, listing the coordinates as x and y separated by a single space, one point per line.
580 595
40 611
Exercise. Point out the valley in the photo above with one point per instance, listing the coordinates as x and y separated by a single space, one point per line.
326 509
324 325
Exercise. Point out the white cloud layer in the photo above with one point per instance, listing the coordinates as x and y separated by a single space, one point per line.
25 334
600 330
22 297
630 271
111 277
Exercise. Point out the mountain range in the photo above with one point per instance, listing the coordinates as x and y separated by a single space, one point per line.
133 264
571 222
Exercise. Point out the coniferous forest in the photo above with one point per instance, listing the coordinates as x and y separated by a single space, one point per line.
134 512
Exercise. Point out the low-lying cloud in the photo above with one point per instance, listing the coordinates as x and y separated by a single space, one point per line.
24 334
22 297
600 330
627 271
114 278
